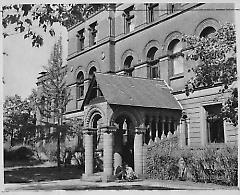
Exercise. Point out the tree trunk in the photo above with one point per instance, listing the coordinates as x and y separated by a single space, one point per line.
58 150
11 137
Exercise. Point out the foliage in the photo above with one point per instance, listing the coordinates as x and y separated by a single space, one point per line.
215 165
53 99
26 17
19 120
18 153
216 57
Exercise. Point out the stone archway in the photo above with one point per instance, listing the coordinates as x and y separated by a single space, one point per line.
94 120
126 120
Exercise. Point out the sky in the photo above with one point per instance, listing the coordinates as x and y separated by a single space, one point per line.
22 62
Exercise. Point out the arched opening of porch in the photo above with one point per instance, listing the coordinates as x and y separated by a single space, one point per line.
96 123
124 139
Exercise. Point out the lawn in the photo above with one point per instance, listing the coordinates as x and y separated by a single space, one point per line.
36 174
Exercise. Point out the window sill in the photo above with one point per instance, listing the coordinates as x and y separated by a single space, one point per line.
217 145
177 76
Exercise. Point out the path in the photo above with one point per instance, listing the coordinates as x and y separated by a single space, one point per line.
77 184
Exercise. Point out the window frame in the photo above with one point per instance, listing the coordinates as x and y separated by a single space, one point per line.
153 63
128 69
80 87
203 124
208 125
128 19
173 7
93 34
173 56
150 12
81 38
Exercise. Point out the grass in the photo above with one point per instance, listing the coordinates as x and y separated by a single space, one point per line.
8 163
37 174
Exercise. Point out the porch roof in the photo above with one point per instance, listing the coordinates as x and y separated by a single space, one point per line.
135 91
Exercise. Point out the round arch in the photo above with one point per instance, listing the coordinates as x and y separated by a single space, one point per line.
91 114
131 113
91 64
172 36
128 53
77 71
209 22
148 46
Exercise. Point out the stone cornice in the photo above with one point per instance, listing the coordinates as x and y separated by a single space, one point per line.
140 130
89 131
109 129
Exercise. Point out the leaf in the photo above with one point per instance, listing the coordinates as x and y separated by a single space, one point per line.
5 35
26 36
16 7
22 28
28 21
26 8
13 19
52 32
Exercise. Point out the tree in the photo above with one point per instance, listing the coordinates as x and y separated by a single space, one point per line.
25 18
54 97
19 121
217 64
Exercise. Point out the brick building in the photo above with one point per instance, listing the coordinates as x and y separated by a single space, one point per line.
127 80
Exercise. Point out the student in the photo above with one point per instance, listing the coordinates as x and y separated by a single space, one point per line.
120 172
130 174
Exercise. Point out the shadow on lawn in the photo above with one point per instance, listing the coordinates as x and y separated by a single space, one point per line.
85 187
37 174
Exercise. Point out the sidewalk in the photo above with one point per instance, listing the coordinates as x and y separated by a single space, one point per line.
78 184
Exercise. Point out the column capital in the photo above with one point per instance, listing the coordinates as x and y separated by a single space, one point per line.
109 129
140 130
89 131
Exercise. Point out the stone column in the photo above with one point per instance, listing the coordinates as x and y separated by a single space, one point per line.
182 138
187 130
163 126
118 142
169 127
88 139
108 150
157 139
150 131
138 150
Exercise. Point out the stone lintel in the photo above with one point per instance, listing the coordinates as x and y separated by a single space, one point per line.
89 131
140 130
109 129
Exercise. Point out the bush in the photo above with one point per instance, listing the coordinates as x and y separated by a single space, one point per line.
215 165
18 153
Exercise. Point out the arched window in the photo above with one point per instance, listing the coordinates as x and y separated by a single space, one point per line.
176 61
207 31
80 85
151 53
154 68
92 71
127 65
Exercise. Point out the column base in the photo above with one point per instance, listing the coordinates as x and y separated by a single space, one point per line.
91 177
157 140
108 178
151 142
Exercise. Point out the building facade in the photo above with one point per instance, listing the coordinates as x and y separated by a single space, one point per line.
127 73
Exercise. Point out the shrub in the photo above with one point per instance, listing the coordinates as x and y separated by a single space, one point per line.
49 149
216 165
18 153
